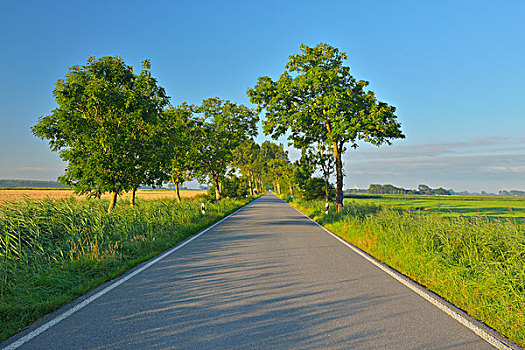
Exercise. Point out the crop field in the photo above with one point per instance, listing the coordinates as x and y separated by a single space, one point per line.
449 206
9 195
469 250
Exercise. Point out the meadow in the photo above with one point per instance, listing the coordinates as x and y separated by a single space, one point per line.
55 250
468 250
450 206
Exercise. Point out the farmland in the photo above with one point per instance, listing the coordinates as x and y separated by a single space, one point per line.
9 195
468 250
449 206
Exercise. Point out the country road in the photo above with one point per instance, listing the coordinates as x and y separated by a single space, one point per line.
265 278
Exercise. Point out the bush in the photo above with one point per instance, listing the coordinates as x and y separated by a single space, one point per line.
314 188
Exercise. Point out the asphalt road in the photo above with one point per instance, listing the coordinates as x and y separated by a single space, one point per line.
266 278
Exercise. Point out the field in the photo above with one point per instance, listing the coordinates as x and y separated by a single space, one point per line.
449 206
469 250
9 195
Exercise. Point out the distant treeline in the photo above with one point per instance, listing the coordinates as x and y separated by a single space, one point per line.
514 193
426 190
30 183
422 189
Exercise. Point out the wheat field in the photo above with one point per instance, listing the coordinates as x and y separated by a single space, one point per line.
8 195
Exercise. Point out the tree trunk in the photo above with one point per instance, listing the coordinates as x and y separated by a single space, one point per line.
278 187
291 187
326 192
113 201
175 182
133 192
339 177
250 183
217 188
178 192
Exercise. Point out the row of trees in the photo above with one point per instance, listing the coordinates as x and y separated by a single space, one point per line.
422 189
267 166
117 130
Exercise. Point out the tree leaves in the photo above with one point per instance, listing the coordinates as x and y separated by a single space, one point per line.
316 99
104 125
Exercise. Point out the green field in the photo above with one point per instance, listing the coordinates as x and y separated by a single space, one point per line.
450 206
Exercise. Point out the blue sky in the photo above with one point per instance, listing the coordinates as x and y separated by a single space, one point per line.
454 70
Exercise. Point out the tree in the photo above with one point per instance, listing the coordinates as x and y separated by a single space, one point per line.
234 187
318 100
314 188
245 158
320 155
424 189
176 145
275 159
103 126
288 176
224 126
303 172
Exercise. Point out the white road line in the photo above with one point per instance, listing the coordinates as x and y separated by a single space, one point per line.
112 286
410 284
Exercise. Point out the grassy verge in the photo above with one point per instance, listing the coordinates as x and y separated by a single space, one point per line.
53 251
476 264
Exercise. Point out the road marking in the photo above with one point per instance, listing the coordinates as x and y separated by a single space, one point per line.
113 285
414 287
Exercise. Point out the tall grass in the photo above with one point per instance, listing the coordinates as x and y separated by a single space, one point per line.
477 264
53 251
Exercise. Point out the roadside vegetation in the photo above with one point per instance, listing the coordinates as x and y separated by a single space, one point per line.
475 263
54 251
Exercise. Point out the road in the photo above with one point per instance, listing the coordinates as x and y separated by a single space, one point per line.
265 278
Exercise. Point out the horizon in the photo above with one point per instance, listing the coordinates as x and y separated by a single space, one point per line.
453 70
194 185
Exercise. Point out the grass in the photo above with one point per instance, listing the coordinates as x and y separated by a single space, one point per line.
451 206
55 250
475 263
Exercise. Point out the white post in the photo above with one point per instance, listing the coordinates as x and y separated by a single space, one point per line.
203 209
326 207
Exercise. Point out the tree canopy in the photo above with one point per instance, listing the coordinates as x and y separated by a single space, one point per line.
316 99
222 127
176 145
103 126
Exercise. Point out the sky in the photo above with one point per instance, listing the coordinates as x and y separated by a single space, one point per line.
453 69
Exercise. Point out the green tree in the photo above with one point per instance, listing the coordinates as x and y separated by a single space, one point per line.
234 187
176 145
245 159
314 188
318 100
320 155
288 176
303 171
424 189
276 160
223 127
104 125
